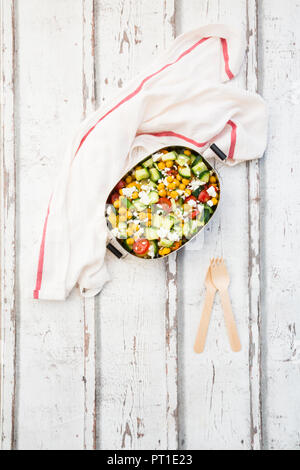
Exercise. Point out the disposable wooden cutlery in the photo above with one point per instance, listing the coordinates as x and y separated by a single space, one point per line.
217 277
206 312
221 279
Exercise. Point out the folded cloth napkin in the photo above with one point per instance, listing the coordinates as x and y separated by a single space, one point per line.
180 100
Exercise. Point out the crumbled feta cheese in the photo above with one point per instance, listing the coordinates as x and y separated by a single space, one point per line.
151 251
180 192
210 203
109 210
211 191
192 203
127 192
195 184
115 232
144 198
162 232
200 207
173 236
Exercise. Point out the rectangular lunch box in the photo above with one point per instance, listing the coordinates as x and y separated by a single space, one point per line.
115 246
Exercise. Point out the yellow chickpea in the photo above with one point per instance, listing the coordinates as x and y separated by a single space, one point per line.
182 187
121 192
160 186
212 179
130 241
174 194
162 193
161 165
135 195
178 177
214 201
129 214
187 152
171 186
177 183
160 252
130 185
170 179
165 151
166 251
128 179
138 168
185 181
169 163
188 192
117 204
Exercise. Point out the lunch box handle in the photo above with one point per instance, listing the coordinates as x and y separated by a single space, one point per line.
114 250
218 152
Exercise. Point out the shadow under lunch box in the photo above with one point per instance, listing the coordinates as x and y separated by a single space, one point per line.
150 169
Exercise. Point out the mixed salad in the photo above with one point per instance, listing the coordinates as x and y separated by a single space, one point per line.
163 202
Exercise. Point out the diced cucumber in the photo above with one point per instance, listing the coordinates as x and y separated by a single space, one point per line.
167 222
165 243
207 213
185 171
155 174
186 229
197 159
199 168
155 247
122 227
151 233
204 176
156 220
142 174
182 159
148 183
178 229
153 197
148 163
193 159
125 202
139 205
169 156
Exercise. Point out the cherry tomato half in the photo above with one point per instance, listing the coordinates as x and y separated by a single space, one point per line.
121 184
204 196
114 197
190 198
165 203
141 246
193 214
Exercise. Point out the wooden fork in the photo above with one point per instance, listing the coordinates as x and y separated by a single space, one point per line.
221 279
206 313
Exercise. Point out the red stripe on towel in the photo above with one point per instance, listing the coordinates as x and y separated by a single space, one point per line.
39 275
226 58
233 139
139 88
174 134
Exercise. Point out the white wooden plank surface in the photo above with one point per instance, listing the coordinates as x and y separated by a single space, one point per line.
280 66
51 334
215 393
71 56
7 231
138 399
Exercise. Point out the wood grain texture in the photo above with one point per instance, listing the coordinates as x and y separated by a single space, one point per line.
7 231
52 340
89 304
279 65
215 393
137 372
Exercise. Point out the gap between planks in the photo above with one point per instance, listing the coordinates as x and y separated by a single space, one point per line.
89 304
8 230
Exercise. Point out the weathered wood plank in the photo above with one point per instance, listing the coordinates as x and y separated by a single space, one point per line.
7 230
214 393
137 400
89 305
254 247
51 360
279 62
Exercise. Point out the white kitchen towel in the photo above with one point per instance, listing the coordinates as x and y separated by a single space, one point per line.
180 100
